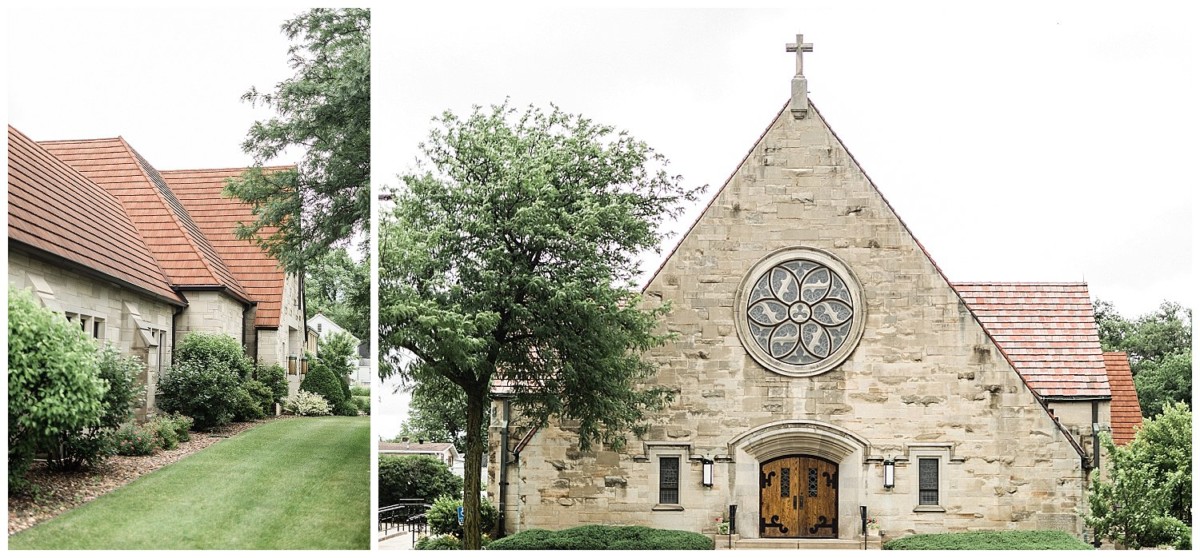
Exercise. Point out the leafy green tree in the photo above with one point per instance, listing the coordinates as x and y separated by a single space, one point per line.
511 258
1146 501
415 476
53 385
1159 345
438 412
340 288
1169 381
325 110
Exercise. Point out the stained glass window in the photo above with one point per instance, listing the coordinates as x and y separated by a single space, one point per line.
668 480
799 312
928 473
812 482
785 482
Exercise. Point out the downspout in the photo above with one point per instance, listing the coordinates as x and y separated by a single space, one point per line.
174 338
503 491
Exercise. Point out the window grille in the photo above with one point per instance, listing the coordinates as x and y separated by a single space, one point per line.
668 480
928 473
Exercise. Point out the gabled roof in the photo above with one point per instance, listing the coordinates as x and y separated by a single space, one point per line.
1048 331
426 448
55 210
183 251
218 217
1126 410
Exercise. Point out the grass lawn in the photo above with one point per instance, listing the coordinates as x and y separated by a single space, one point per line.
301 483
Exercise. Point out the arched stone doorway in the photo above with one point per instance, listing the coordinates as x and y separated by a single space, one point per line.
831 455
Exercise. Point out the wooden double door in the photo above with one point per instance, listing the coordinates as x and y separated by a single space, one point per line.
798 498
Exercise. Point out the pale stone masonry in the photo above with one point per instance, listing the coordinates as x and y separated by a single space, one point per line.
925 381
139 259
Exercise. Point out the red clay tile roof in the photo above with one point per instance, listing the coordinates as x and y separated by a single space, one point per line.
1126 411
218 217
54 209
182 250
1047 330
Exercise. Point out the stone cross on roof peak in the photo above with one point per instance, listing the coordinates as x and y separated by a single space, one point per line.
799 47
799 82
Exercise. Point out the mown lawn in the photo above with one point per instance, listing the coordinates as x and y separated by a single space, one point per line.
300 483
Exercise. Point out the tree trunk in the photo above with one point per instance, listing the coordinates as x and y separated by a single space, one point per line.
476 408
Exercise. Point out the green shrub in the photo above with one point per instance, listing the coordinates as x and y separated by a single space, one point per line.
215 349
415 476
346 409
989 540
360 391
165 434
255 401
134 440
446 542
604 537
53 385
182 425
443 516
321 381
208 394
363 403
306 404
89 446
274 377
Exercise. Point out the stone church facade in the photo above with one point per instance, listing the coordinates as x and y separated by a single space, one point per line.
823 364
140 258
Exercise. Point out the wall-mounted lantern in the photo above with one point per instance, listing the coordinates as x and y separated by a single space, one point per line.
291 364
889 473
706 471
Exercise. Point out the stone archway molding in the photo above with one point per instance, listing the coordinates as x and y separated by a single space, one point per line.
799 436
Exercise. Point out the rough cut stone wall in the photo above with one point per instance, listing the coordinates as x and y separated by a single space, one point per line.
88 295
211 312
275 345
924 379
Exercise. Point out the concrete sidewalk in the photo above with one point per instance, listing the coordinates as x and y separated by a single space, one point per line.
397 541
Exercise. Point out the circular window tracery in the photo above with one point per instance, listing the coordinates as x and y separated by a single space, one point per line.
798 312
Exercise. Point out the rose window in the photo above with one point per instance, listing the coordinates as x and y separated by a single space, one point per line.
799 312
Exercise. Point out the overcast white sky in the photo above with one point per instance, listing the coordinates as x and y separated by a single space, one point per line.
1021 141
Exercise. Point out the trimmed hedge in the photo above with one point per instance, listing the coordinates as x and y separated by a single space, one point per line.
604 537
990 540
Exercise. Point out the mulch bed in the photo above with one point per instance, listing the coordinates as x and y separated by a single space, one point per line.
58 492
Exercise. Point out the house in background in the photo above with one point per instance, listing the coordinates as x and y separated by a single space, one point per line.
362 363
140 258
443 451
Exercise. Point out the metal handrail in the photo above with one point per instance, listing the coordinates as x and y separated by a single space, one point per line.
406 516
